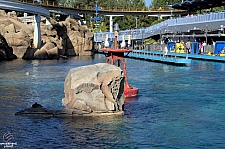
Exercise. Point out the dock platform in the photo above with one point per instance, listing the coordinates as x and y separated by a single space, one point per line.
201 57
181 55
159 57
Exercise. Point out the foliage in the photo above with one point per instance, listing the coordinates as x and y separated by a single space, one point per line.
218 8
158 21
125 22
149 41
215 9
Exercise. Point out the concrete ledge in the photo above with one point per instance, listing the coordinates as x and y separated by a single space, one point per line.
42 112
119 113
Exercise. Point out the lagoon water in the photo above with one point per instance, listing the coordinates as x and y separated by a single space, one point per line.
177 107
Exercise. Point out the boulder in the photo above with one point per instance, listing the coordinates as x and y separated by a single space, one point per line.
94 89
6 52
53 53
76 39
20 51
10 28
2 30
18 39
40 54
2 13
12 14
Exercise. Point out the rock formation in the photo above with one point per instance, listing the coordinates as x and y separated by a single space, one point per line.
94 89
66 38
6 52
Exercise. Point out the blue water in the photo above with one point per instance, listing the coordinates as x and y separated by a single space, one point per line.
177 107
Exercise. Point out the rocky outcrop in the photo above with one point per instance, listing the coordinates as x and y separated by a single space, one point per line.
94 89
76 39
6 52
66 38
16 34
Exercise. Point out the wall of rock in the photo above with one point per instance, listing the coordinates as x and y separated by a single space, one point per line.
66 38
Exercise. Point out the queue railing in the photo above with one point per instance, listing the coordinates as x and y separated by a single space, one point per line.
157 28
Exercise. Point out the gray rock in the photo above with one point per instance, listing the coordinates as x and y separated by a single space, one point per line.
94 89
36 109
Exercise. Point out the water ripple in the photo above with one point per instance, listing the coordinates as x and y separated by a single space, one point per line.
177 107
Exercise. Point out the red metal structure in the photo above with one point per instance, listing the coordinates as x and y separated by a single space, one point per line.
116 57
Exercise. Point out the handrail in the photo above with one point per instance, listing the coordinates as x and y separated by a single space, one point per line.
90 8
155 29
11 5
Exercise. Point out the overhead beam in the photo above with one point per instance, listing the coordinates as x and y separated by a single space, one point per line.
111 21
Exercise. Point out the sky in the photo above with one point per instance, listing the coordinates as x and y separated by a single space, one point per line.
147 2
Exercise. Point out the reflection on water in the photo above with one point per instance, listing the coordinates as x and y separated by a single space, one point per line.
86 132
177 107
130 99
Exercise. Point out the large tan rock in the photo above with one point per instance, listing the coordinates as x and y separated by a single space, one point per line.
2 13
94 88
10 28
41 54
20 51
48 46
76 40
3 31
5 21
19 26
67 38
17 35
17 39
12 14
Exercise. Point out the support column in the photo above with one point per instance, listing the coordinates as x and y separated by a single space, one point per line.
111 23
25 15
37 31
129 41
136 18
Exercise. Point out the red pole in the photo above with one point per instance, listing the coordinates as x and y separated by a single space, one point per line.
125 73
